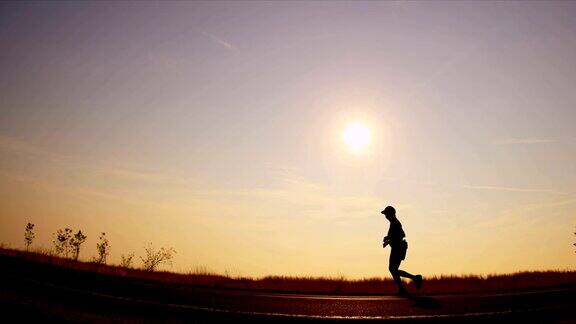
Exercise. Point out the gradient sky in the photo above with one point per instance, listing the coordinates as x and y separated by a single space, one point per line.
215 128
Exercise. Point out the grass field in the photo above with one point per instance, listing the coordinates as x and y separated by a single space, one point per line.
317 285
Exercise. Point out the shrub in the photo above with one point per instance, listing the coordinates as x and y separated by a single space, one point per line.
75 243
103 248
127 260
154 257
29 235
62 242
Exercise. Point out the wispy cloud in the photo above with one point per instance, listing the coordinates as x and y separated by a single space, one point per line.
290 194
227 45
513 189
294 194
519 214
13 145
520 141
16 148
450 186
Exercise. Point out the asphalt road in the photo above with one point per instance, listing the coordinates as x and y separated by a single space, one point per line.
31 291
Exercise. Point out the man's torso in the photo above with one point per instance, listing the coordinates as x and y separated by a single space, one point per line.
395 233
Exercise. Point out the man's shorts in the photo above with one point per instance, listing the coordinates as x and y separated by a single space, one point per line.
399 251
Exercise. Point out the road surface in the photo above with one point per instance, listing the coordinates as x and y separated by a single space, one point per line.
33 291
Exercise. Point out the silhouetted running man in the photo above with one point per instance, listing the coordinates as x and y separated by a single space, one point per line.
398 244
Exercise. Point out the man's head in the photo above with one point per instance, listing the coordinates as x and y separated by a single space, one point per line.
389 212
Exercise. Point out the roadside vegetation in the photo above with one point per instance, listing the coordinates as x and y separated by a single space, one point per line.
67 245
67 248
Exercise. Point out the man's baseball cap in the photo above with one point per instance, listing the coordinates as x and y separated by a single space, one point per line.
388 210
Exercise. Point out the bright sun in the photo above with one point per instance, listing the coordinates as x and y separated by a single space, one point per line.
356 136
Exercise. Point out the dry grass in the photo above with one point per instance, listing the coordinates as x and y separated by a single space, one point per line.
200 276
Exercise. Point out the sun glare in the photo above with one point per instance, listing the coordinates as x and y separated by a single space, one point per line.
356 136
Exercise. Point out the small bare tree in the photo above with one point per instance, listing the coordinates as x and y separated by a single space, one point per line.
29 235
62 241
154 257
127 260
75 243
103 248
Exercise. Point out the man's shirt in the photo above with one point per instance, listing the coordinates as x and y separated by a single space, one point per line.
395 232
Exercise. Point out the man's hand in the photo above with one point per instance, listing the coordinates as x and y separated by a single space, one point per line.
386 242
